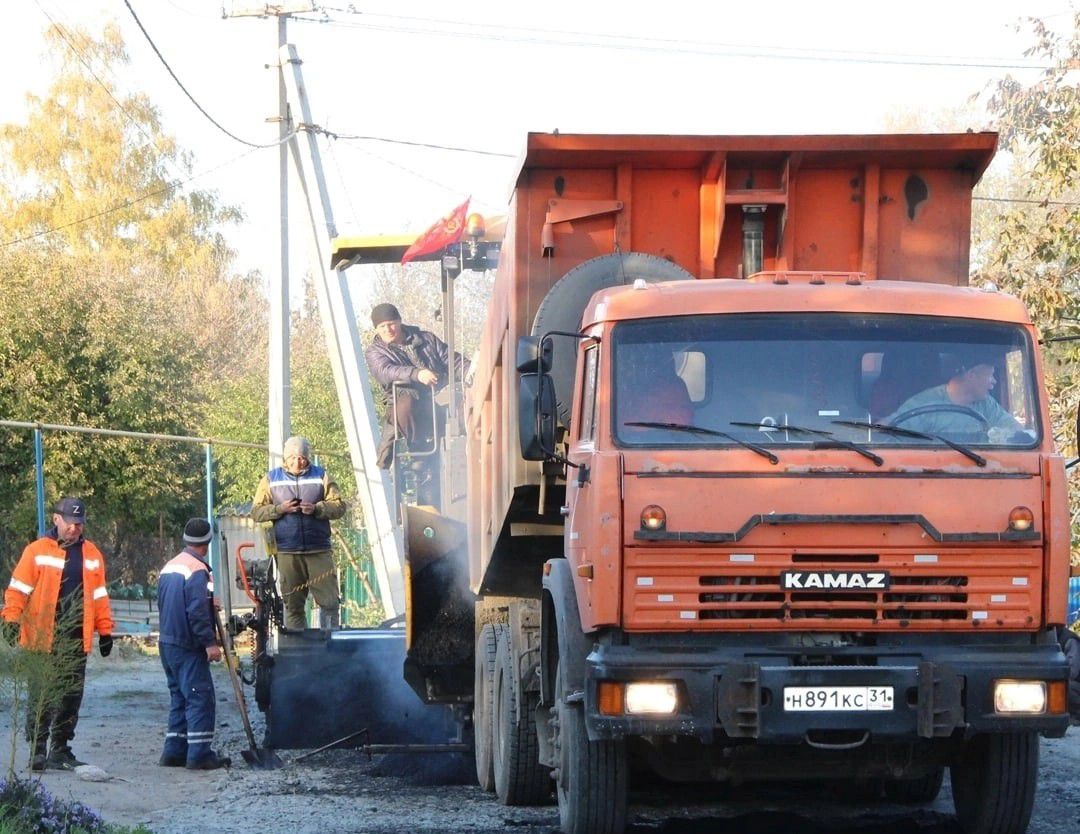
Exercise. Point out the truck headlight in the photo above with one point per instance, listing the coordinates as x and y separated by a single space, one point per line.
654 698
1013 697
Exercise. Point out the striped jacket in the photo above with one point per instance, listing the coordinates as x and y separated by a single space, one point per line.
32 594
185 602
296 532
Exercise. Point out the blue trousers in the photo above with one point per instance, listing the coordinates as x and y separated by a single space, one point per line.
191 707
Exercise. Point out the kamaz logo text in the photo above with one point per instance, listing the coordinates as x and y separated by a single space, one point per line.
831 580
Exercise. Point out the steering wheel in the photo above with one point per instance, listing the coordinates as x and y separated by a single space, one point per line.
937 408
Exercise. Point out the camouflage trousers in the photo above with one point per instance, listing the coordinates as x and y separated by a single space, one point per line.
300 572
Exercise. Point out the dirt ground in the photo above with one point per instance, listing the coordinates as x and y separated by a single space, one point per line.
123 721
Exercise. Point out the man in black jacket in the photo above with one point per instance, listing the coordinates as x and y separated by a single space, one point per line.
418 362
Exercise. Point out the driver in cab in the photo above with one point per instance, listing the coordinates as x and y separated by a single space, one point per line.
947 409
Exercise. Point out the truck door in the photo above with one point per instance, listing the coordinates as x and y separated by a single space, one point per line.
579 497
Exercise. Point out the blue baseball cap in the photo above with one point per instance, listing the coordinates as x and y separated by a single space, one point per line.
72 510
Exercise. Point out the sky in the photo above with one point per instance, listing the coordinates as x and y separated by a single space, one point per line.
472 79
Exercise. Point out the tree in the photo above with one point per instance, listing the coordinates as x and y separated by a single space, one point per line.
1038 248
1036 253
118 309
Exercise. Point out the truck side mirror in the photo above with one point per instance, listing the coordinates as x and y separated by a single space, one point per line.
536 416
534 355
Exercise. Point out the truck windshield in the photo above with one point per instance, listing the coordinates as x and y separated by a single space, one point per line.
788 380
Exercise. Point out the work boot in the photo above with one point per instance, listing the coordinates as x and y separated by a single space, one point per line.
211 762
38 761
61 758
172 761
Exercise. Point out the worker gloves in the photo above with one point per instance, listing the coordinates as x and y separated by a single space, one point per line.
11 633
105 645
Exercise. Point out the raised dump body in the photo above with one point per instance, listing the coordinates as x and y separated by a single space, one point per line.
890 207
805 517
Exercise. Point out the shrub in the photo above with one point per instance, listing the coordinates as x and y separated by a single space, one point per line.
27 808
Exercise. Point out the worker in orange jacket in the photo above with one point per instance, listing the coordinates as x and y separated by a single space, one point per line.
57 575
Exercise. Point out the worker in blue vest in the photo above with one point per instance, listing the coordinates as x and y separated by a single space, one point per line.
299 499
187 643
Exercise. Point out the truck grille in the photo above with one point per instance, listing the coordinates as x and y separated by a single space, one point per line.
969 589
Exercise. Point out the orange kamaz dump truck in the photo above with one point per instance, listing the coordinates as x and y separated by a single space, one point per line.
758 488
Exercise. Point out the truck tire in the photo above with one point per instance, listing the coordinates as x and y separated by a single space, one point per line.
993 782
519 777
591 776
483 688
915 791
564 303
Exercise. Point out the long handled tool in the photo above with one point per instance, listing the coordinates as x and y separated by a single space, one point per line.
257 758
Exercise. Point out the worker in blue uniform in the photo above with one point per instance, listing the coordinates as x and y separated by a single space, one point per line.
187 644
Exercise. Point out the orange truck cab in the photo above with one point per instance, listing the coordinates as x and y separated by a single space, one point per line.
758 487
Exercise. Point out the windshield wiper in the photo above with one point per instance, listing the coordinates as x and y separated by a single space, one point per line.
899 432
847 444
781 427
831 443
648 424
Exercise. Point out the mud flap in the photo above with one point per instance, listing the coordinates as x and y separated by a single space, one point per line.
439 607
322 689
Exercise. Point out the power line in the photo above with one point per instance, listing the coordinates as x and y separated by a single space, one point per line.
424 177
658 45
351 137
173 186
85 62
1029 201
344 182
180 84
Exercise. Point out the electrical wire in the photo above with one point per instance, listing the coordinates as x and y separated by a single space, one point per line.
344 182
180 84
458 191
1028 200
659 45
131 202
62 31
356 137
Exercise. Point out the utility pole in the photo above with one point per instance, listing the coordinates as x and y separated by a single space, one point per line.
344 348
280 405
280 388
336 308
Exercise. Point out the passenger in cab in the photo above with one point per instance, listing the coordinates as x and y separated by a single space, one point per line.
649 389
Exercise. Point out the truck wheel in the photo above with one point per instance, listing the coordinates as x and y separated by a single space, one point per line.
993 783
915 791
591 776
483 687
520 779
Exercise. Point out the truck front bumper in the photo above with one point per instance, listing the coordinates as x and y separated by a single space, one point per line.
738 693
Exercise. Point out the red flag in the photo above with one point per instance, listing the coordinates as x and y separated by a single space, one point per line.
445 231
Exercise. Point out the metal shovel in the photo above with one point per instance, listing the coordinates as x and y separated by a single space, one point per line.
254 756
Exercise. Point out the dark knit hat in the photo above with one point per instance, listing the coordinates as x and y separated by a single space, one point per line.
966 357
198 531
384 312
72 510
